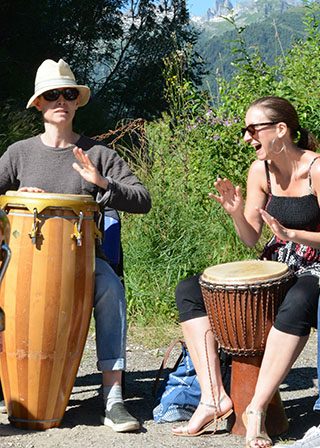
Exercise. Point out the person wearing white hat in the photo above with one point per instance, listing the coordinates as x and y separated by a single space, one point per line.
52 76
62 161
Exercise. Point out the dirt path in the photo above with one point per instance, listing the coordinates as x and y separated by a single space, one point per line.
81 424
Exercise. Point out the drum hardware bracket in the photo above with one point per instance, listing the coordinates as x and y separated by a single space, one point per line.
97 232
35 232
98 235
77 235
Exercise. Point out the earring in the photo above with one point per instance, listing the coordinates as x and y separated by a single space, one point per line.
283 147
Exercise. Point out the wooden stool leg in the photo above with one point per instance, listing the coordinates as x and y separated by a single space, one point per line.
244 375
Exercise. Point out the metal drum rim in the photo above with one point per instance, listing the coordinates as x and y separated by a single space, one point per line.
41 201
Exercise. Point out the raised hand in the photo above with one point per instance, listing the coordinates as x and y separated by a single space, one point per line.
230 196
87 170
31 190
277 229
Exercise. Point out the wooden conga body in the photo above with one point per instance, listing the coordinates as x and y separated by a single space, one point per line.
47 297
5 255
242 299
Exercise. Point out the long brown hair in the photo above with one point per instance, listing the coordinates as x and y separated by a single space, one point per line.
281 110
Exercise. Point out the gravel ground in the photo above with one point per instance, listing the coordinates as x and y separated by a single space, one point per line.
81 424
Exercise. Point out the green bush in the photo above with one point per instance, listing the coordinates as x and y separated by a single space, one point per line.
199 139
16 123
196 141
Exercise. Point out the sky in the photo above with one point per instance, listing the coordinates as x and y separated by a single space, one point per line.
200 7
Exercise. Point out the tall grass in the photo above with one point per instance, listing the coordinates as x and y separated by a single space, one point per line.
198 140
195 142
185 232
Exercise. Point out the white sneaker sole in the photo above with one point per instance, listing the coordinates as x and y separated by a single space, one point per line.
120 427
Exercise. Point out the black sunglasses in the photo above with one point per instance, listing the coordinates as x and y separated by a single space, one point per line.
68 94
252 127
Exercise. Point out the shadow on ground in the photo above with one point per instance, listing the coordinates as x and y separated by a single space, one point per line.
85 404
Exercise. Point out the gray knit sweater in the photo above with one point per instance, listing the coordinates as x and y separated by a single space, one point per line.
30 163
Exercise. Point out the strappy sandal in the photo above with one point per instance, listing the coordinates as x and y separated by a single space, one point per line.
210 426
261 435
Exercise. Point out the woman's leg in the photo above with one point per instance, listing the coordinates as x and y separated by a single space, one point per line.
205 358
204 354
296 315
282 350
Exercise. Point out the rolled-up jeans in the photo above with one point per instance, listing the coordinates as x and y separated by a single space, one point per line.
316 406
110 318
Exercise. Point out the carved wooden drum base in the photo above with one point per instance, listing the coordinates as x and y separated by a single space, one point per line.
244 375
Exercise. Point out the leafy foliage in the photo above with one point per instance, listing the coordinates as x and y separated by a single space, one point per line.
198 139
39 29
115 46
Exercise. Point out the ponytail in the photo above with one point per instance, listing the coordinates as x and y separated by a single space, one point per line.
306 140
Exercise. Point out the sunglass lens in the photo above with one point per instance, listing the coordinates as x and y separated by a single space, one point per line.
51 95
250 129
70 94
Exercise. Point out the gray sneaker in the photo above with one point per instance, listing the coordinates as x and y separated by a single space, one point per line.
119 419
311 439
3 409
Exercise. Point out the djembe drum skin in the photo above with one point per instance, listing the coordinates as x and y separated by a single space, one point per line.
242 299
47 297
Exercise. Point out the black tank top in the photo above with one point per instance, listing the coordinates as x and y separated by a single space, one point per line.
301 213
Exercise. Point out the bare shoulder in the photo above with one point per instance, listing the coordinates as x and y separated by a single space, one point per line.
315 172
257 175
257 168
315 161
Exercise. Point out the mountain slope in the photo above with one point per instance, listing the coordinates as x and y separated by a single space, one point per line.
272 37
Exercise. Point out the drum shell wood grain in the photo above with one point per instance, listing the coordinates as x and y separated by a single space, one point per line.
47 296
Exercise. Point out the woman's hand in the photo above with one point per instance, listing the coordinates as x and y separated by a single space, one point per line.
230 197
31 190
87 170
277 229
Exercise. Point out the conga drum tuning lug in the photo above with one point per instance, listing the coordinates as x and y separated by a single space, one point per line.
77 235
35 229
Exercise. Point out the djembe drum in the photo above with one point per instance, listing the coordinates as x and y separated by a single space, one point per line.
47 297
242 299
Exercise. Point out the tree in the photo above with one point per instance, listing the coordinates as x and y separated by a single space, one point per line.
132 83
38 29
116 46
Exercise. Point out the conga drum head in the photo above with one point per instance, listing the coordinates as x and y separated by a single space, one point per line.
40 201
242 299
52 196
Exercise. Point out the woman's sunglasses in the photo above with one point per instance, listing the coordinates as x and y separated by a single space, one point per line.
68 94
251 129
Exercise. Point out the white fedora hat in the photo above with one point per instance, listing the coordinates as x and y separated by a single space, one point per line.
53 75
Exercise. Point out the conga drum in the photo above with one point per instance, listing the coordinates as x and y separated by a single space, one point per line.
242 299
47 297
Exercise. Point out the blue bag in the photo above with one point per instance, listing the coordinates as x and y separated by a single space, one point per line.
179 394
112 236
